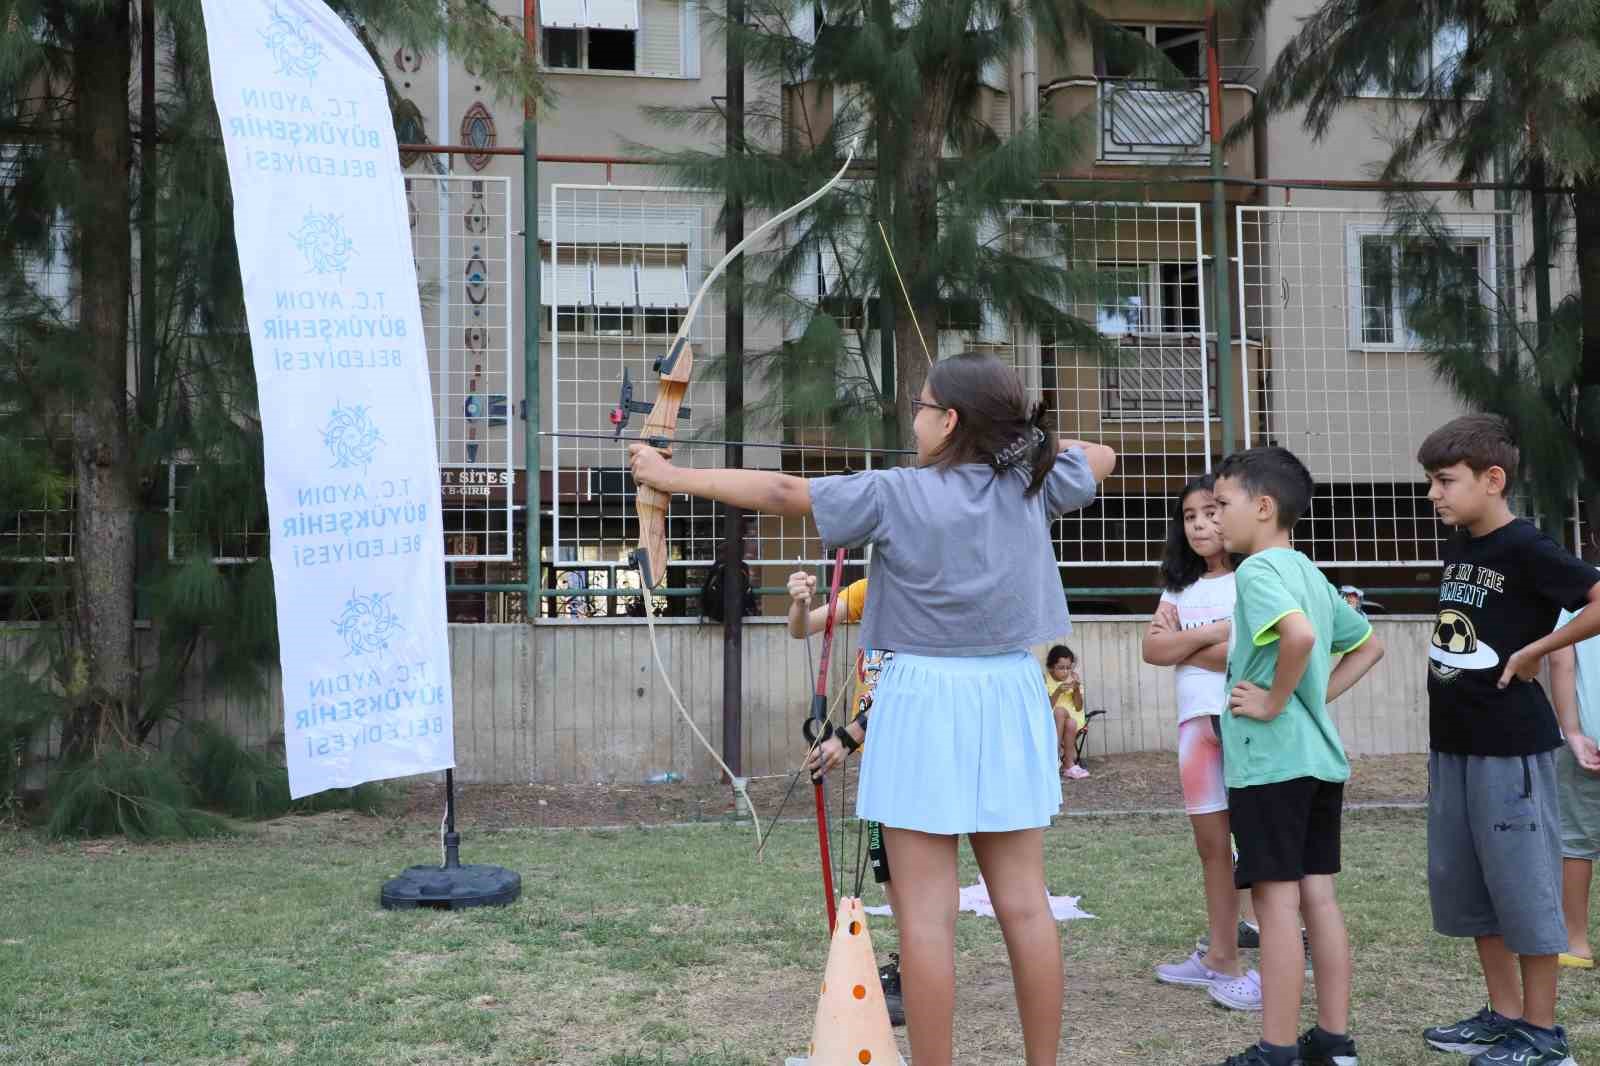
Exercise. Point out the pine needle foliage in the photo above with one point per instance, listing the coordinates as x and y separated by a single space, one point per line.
903 83
1519 103
110 400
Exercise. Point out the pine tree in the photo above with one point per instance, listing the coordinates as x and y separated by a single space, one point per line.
100 407
1521 104
940 179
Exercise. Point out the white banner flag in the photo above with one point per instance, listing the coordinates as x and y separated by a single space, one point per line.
346 408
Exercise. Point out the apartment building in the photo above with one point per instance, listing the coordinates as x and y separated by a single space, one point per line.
1315 353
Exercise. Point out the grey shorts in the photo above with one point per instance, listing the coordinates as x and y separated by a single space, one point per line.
1580 808
1494 849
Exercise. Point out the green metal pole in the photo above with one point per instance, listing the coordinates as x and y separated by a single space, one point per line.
1219 247
532 460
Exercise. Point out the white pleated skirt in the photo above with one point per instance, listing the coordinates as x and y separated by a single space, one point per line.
961 745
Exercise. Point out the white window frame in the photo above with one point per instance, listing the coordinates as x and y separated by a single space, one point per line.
1148 29
1356 233
243 536
1373 90
1155 306
583 52
587 311
55 278
688 45
577 16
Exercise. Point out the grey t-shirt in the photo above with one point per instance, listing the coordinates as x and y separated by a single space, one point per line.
962 561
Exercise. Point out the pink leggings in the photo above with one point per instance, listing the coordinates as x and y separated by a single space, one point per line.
1200 766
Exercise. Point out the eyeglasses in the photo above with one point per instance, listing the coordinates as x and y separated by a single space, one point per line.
918 404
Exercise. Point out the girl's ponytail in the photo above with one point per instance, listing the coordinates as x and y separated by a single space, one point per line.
1041 448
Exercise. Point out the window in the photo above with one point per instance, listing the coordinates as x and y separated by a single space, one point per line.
563 48
1431 71
1184 47
590 34
1380 264
661 321
615 290
1149 298
50 271
227 547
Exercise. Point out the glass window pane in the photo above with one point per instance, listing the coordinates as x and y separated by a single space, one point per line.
611 49
1377 290
561 48
1449 45
1125 301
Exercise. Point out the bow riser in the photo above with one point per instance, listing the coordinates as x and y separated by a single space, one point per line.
674 367
651 503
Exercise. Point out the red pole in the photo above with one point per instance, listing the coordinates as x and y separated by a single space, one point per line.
1213 73
819 713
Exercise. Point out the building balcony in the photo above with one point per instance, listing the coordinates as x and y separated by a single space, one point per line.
1153 131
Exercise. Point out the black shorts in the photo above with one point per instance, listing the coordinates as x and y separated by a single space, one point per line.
1285 831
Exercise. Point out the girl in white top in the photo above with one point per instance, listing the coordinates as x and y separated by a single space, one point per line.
1190 632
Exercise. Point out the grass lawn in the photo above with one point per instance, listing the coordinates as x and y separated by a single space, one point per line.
632 947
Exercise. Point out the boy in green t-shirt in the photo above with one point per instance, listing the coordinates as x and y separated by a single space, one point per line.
1283 761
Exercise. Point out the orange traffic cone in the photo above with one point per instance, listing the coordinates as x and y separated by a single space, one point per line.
852 1026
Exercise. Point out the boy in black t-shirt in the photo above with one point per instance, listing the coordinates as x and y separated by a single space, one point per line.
1494 837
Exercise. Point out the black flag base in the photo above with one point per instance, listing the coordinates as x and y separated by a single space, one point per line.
451 887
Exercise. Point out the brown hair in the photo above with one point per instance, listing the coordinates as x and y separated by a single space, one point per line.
994 424
1480 441
1269 470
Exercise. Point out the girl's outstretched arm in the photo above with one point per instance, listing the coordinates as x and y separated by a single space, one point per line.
1102 459
755 490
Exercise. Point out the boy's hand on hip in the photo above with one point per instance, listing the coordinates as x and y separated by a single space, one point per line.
1585 751
1250 701
1521 664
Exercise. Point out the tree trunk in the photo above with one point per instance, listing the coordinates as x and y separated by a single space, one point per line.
916 233
1586 226
104 677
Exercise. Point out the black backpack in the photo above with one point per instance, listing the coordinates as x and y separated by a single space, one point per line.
711 593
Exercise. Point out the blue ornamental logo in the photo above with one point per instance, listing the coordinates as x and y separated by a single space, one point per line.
297 54
367 624
321 239
351 438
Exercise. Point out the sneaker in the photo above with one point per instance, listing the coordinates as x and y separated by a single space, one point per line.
1253 1056
889 978
1249 937
1077 772
1470 1036
1318 1049
1191 973
1525 1046
1238 993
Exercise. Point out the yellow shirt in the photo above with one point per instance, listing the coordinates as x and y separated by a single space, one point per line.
869 664
853 598
1062 698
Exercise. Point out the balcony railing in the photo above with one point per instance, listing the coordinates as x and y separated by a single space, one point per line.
1147 122
1158 377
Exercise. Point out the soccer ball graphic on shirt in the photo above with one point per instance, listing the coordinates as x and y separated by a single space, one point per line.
1455 647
